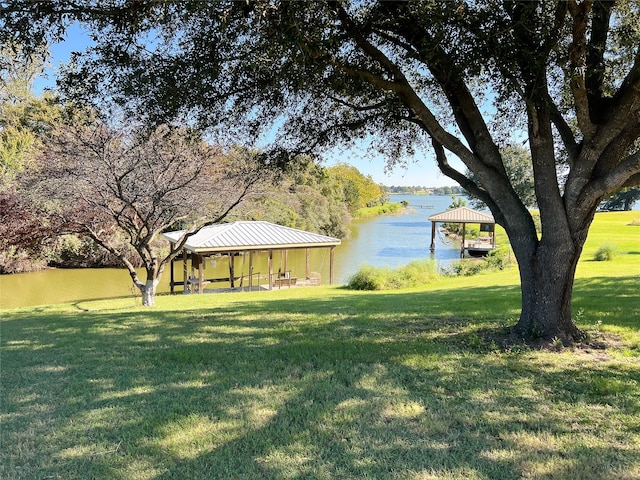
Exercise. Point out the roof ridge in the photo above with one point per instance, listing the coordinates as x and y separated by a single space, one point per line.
223 227
463 214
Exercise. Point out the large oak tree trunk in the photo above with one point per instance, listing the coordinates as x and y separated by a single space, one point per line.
547 279
547 273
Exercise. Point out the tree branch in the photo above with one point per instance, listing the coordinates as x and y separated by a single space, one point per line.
179 245
625 173
359 108
595 50
566 134
577 68
95 236
464 181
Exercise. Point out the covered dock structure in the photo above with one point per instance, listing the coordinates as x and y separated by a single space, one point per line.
463 215
247 238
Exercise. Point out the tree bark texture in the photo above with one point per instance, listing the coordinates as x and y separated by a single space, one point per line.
546 282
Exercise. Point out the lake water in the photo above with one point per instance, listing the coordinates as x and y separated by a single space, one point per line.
392 241
395 240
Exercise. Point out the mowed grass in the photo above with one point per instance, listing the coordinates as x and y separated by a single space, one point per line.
326 383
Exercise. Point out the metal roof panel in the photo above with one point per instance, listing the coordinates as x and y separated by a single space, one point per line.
251 235
462 215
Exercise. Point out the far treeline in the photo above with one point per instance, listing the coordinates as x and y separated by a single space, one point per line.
416 190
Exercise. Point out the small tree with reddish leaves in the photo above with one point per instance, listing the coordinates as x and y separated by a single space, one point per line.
25 239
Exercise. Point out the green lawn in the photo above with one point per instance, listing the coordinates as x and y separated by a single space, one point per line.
326 383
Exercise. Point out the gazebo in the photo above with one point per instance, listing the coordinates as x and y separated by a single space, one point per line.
466 215
247 237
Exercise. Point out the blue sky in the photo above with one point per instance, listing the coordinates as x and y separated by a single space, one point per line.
419 171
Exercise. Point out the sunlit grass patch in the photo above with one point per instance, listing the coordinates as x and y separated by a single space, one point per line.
190 436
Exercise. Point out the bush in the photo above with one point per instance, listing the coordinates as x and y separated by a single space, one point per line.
419 272
367 278
605 253
497 259
467 267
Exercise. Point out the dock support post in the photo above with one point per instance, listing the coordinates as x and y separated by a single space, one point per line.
200 274
172 280
185 273
286 263
331 259
270 269
433 236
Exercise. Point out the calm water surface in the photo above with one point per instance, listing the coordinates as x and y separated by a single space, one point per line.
381 241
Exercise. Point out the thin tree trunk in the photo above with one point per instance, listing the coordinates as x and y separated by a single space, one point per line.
149 293
148 288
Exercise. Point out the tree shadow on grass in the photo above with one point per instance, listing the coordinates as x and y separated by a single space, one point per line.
613 300
365 385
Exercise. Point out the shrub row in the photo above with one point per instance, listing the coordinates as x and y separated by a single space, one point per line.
497 259
422 272
419 272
